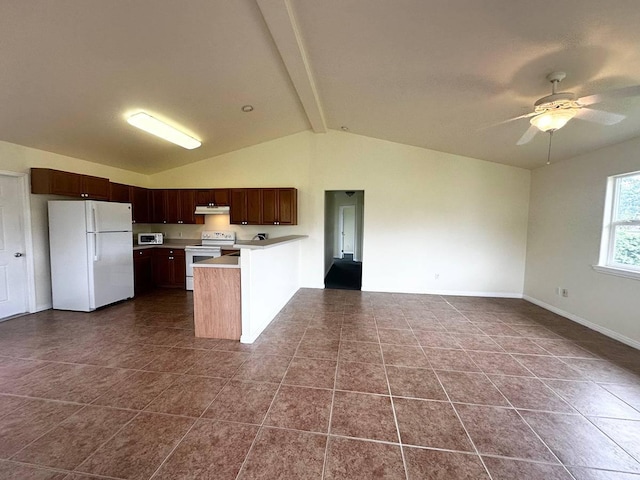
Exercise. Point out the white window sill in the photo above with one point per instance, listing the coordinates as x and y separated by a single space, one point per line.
618 272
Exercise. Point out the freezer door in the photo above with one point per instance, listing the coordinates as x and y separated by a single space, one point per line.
108 216
110 267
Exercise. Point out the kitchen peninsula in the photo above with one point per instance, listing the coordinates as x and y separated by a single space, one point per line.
237 297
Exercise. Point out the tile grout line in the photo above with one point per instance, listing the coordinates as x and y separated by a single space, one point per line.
264 418
192 425
333 397
393 407
519 416
455 410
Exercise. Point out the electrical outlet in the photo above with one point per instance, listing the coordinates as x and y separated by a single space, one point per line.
565 292
179 234
437 276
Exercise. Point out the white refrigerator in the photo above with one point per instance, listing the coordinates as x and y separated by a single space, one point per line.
91 248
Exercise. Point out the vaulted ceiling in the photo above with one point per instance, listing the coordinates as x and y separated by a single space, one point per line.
430 73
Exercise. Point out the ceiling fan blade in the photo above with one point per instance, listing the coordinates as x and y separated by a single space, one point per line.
527 115
528 135
632 91
599 116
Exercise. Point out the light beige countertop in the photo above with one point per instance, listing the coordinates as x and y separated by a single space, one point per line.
226 261
269 243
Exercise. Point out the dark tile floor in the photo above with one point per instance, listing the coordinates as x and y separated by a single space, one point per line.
343 385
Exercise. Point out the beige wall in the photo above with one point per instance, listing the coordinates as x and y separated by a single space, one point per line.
426 212
15 158
565 226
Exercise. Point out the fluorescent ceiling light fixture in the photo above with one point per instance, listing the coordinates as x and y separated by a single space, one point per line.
152 125
553 119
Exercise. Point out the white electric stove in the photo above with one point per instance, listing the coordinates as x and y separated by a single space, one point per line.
210 247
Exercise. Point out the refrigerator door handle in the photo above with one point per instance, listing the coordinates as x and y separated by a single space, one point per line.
94 218
94 246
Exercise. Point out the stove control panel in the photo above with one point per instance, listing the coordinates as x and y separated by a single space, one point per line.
219 236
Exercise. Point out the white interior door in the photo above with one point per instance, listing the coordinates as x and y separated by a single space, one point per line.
348 229
13 267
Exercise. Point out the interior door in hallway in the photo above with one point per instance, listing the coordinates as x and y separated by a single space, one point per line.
348 226
13 268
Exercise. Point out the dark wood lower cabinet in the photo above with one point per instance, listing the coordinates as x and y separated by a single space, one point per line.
169 268
158 267
142 271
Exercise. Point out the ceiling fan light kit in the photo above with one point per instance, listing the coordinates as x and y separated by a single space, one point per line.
552 112
553 119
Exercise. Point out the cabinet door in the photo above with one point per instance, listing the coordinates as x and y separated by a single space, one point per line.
188 207
221 196
162 267
142 271
140 205
178 269
172 206
238 207
95 188
65 183
254 206
119 193
204 197
287 206
269 206
158 208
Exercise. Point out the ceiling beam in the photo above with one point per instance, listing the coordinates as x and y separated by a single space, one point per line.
281 22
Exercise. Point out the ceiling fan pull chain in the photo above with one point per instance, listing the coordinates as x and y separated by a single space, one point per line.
549 152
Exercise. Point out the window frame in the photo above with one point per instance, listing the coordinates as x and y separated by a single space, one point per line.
606 263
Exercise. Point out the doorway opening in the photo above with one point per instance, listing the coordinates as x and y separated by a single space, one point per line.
343 239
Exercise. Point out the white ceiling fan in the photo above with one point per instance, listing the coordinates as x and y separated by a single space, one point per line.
552 112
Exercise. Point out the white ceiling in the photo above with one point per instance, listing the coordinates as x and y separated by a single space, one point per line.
429 73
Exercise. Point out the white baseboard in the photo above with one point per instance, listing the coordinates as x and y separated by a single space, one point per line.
40 308
593 326
456 293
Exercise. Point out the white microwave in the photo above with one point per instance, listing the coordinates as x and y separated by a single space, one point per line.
149 239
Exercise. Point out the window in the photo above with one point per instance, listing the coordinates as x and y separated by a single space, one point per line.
620 251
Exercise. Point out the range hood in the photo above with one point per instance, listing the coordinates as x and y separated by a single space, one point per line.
211 210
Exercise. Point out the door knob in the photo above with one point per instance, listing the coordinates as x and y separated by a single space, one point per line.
17 254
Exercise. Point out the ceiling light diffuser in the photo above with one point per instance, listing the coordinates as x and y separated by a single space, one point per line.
152 125
553 119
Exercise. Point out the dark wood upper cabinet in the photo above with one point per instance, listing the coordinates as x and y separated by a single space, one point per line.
238 210
264 206
172 206
270 205
158 208
56 182
213 197
188 208
140 205
287 206
279 206
254 206
246 206
119 192
175 206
